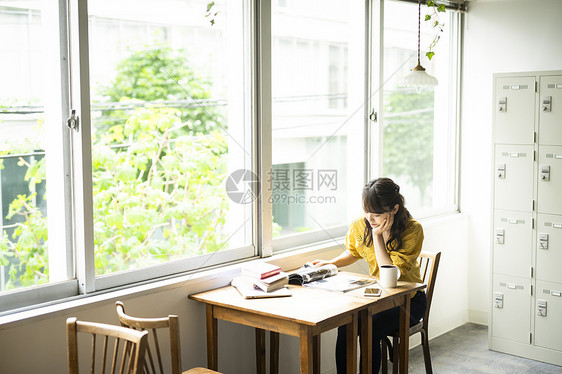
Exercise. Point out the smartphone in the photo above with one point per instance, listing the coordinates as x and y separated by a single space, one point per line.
372 291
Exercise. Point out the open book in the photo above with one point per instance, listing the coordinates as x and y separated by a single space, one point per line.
328 278
309 273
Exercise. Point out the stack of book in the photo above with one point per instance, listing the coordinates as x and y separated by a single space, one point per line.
261 280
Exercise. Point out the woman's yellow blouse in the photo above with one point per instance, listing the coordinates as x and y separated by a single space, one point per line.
405 257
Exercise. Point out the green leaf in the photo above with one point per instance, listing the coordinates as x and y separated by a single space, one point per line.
441 8
430 3
430 55
427 17
210 5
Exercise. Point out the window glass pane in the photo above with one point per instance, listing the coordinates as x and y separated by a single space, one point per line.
419 128
169 125
26 39
318 105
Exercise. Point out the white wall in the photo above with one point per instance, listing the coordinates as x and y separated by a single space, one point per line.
38 344
500 36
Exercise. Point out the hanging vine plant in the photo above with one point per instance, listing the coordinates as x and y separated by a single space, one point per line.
433 17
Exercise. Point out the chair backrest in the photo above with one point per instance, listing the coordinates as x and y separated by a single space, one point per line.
429 263
126 347
154 360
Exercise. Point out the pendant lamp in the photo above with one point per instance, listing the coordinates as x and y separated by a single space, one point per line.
418 78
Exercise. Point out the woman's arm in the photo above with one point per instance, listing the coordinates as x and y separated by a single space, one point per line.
342 260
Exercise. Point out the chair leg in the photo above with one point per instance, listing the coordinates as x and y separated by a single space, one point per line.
395 353
426 356
384 357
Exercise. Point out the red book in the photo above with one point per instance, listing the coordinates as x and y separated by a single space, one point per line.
260 270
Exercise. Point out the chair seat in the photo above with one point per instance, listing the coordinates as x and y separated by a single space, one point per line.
418 327
200 371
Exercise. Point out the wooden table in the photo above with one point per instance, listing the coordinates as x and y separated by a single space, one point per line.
306 314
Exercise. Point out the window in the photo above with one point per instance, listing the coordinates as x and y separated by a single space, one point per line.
417 143
170 151
169 111
318 91
159 170
33 236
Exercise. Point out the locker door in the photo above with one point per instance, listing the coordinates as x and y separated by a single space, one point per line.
548 315
514 110
549 248
514 177
511 317
513 243
550 179
550 109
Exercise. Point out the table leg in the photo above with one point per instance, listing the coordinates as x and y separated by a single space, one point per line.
366 341
260 351
274 352
316 354
404 333
351 345
212 342
305 336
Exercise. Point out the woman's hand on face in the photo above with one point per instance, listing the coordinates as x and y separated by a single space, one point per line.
385 225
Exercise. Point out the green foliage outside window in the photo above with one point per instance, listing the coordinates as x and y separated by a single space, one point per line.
157 176
408 138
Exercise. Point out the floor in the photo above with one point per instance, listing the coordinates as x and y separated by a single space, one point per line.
465 350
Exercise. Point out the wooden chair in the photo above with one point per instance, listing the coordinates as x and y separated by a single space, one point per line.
127 353
429 263
153 363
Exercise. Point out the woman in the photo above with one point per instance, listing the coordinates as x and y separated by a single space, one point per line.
386 234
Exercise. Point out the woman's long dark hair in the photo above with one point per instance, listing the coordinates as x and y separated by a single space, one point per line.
380 196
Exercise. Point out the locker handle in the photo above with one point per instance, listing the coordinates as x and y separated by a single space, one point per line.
511 286
557 225
513 221
556 293
558 156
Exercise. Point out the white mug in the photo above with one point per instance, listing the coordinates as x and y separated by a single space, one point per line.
389 275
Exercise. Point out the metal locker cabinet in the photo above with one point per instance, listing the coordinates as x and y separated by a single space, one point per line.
549 248
514 110
511 317
550 109
514 177
548 315
550 179
513 243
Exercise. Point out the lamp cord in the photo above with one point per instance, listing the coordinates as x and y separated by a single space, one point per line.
419 26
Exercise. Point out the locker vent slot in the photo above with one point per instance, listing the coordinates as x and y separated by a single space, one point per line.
551 86
516 87
512 286
552 292
553 225
514 154
513 221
